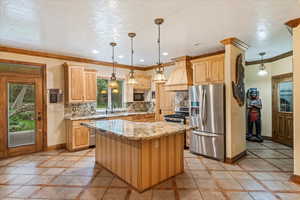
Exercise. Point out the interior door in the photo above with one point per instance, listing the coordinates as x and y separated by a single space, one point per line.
282 109
21 115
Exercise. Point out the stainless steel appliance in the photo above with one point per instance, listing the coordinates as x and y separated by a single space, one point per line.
207 116
180 116
139 96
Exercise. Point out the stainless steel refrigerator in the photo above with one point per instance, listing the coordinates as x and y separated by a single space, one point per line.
207 115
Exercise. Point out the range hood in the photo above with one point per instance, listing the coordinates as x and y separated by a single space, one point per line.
182 76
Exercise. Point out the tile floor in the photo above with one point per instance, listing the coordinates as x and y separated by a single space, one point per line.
262 175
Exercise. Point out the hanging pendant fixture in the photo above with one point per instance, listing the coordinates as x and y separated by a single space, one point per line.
262 68
131 79
159 76
113 79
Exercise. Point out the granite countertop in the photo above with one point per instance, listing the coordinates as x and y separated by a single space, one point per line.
136 130
104 115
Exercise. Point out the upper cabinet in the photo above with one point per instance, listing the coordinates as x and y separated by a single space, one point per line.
80 84
208 70
143 82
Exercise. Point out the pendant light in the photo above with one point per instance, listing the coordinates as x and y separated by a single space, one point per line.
131 79
159 76
113 79
262 68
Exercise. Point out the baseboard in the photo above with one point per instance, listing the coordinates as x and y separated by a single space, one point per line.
236 158
267 138
295 179
56 147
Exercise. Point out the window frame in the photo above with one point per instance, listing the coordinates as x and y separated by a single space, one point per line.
109 95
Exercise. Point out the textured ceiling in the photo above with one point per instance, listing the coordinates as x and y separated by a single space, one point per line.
192 27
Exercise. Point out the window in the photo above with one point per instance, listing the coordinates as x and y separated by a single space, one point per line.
108 98
285 90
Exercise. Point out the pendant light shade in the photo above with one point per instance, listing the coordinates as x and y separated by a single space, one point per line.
131 79
159 76
113 79
262 68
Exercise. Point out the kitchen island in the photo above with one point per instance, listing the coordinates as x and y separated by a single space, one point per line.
141 153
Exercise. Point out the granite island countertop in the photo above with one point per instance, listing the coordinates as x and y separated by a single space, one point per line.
136 130
104 115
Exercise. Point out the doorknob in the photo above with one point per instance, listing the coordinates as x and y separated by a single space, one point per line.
39 118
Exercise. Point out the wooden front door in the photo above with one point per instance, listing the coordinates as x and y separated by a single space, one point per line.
21 115
282 106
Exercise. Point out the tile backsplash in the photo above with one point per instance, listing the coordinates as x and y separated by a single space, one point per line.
181 99
140 106
80 109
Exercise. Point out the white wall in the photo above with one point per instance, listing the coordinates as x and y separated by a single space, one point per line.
264 85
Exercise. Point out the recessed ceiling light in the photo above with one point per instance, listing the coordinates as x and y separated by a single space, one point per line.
120 56
165 53
142 60
95 51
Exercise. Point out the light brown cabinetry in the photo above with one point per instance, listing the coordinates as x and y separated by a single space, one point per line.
143 82
208 70
164 102
77 135
80 84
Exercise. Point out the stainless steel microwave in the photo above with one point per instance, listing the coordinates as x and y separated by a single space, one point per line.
138 96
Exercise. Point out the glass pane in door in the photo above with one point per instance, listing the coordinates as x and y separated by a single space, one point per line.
285 91
21 114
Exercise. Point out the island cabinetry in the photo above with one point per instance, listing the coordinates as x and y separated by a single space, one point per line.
141 163
80 84
77 135
208 70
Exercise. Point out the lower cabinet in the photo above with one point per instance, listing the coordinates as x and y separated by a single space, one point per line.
78 137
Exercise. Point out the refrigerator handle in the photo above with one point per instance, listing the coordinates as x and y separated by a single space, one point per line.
204 109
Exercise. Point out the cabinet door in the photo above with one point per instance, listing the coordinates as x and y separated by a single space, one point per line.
76 84
164 102
216 70
201 72
80 137
90 78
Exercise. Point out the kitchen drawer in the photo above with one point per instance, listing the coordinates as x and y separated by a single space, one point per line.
78 122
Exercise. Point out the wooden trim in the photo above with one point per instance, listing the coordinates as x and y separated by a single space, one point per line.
208 54
236 158
287 75
236 42
22 63
168 64
293 23
269 60
64 57
56 147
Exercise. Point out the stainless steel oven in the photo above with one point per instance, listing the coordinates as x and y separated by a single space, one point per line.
138 96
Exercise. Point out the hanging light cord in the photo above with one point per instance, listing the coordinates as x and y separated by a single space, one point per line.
158 42
113 58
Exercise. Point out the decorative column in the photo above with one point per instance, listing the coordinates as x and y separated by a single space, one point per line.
294 25
235 101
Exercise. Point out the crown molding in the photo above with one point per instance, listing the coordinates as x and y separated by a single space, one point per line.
236 42
293 23
269 60
64 57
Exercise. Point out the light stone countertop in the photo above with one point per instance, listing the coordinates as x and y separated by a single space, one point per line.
136 130
103 115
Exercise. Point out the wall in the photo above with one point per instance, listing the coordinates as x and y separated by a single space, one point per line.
55 79
296 69
264 85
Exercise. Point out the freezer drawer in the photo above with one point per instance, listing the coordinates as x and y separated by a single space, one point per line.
208 144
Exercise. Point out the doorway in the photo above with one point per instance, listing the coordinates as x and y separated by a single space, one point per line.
22 109
282 109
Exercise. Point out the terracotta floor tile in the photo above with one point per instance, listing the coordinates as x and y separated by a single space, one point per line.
239 196
71 180
221 175
257 165
187 173
248 184
206 184
116 182
240 175
53 171
273 145
4 178
105 173
288 196
40 180
101 181
231 167
93 194
262 196
187 183
189 195
276 185
21 179
229 184
271 176
6 190
147 195
168 184
268 153
80 171
57 193
200 174
24 192
212 195
115 194
287 152
163 195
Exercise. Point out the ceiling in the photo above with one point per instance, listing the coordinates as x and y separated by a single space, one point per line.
192 27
